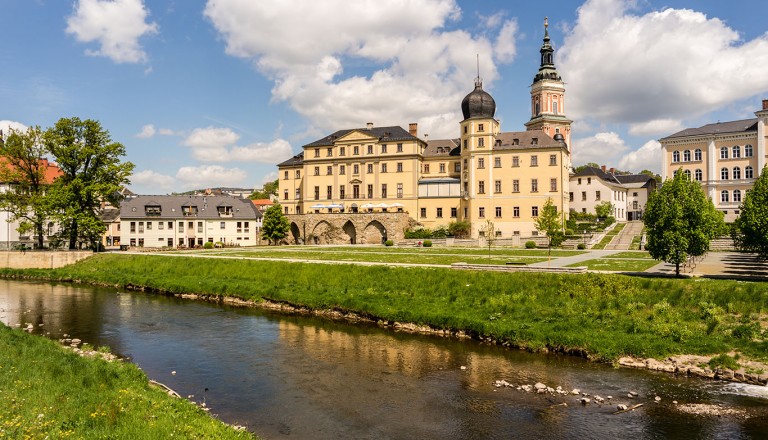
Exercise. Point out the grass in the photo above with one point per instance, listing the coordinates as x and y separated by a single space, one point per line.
635 245
631 254
617 265
606 316
49 392
609 236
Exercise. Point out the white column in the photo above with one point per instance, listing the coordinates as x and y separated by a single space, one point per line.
663 163
761 147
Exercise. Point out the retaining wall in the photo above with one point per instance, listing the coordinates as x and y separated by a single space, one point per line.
40 259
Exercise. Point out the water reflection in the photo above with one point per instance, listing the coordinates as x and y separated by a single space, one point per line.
307 378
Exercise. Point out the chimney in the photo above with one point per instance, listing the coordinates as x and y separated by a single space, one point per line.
602 167
413 129
765 104
612 170
369 125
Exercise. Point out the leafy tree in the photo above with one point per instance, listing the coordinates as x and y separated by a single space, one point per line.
604 209
23 167
270 189
581 168
92 173
680 221
752 224
549 222
274 225
652 174
459 228
489 230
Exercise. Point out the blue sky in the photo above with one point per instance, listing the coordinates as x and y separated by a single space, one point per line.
216 93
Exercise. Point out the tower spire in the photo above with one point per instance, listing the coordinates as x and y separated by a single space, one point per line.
478 81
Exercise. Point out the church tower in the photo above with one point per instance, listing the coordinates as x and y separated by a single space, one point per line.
548 97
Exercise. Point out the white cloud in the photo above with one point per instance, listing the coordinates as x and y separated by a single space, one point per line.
207 176
6 126
417 68
165 132
213 144
146 132
647 157
269 177
662 66
656 127
153 181
116 25
602 148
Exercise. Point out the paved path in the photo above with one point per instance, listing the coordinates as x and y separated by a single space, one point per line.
624 238
719 264
566 261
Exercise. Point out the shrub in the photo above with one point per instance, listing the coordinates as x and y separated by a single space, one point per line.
581 246
389 243
724 361
427 243
569 232
459 229
746 331
440 232
530 244
208 245
418 233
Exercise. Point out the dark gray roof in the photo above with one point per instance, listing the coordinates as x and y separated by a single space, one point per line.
592 171
443 147
110 215
617 179
295 161
523 140
478 103
634 178
171 207
741 126
383 134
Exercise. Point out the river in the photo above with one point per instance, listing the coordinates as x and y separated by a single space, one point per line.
298 377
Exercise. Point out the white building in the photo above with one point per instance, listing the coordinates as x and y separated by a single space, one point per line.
627 193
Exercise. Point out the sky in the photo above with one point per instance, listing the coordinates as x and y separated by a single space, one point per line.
207 93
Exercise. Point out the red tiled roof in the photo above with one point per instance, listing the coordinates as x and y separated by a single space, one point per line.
50 170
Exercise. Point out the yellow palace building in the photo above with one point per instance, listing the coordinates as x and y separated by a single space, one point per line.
483 174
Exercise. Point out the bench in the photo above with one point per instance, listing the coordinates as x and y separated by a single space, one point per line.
515 263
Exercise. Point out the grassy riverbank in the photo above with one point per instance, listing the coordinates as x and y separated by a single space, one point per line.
50 392
606 316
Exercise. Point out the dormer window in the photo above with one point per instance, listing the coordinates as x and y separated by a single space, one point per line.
515 141
189 210
225 211
152 210
534 141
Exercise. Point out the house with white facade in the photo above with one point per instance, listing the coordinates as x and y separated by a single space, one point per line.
628 193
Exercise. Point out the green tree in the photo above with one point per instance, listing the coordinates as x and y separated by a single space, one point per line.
270 189
92 173
274 225
489 229
459 228
23 168
751 232
652 174
581 168
604 209
549 222
680 221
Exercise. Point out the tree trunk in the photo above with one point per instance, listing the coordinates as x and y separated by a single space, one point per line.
677 268
39 233
73 236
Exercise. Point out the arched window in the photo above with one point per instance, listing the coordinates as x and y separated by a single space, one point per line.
687 156
736 151
736 173
697 175
675 156
724 153
748 172
538 108
724 196
736 195
554 107
687 174
724 174
747 150
697 154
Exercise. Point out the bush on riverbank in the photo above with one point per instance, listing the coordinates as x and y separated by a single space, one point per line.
605 316
48 392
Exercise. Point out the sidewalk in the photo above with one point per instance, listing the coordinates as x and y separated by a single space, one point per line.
566 261
732 265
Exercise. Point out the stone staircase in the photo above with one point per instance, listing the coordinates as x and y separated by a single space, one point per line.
624 238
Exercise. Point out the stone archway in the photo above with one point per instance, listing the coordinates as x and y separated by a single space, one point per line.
374 233
349 229
322 233
296 233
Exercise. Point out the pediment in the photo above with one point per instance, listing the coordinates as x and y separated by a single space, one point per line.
357 136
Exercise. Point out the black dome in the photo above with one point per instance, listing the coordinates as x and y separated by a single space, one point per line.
478 104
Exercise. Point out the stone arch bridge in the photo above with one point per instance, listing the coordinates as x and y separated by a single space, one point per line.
347 228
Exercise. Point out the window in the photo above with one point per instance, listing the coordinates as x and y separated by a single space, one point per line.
724 196
687 174
481 212
635 205
423 212
480 163
724 153
426 168
141 227
553 184
317 193
342 170
535 211
442 168
747 150
355 150
589 180
285 175
516 186
370 168
516 211
181 226
736 173
479 127
497 186
736 195
383 168
383 148
383 190
399 148
133 227
481 187
697 154
498 211
675 156
355 191
570 196
341 191
170 225
454 212
439 212
597 195
724 174
330 152
457 167
534 185
342 151
497 162
697 175
736 152
399 190
687 156
553 160
481 142
200 227
317 152
583 196
329 192
370 191
399 167
515 161
298 194
355 169
223 225
748 173
329 170
317 171
149 226
534 160
370 149
160 225
298 174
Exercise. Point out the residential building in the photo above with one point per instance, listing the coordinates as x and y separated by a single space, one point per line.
188 221
484 174
628 193
725 157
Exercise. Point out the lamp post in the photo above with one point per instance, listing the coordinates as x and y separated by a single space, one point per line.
584 237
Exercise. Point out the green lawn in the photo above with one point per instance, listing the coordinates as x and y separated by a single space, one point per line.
632 254
617 265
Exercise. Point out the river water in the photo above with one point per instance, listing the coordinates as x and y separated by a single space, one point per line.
301 378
